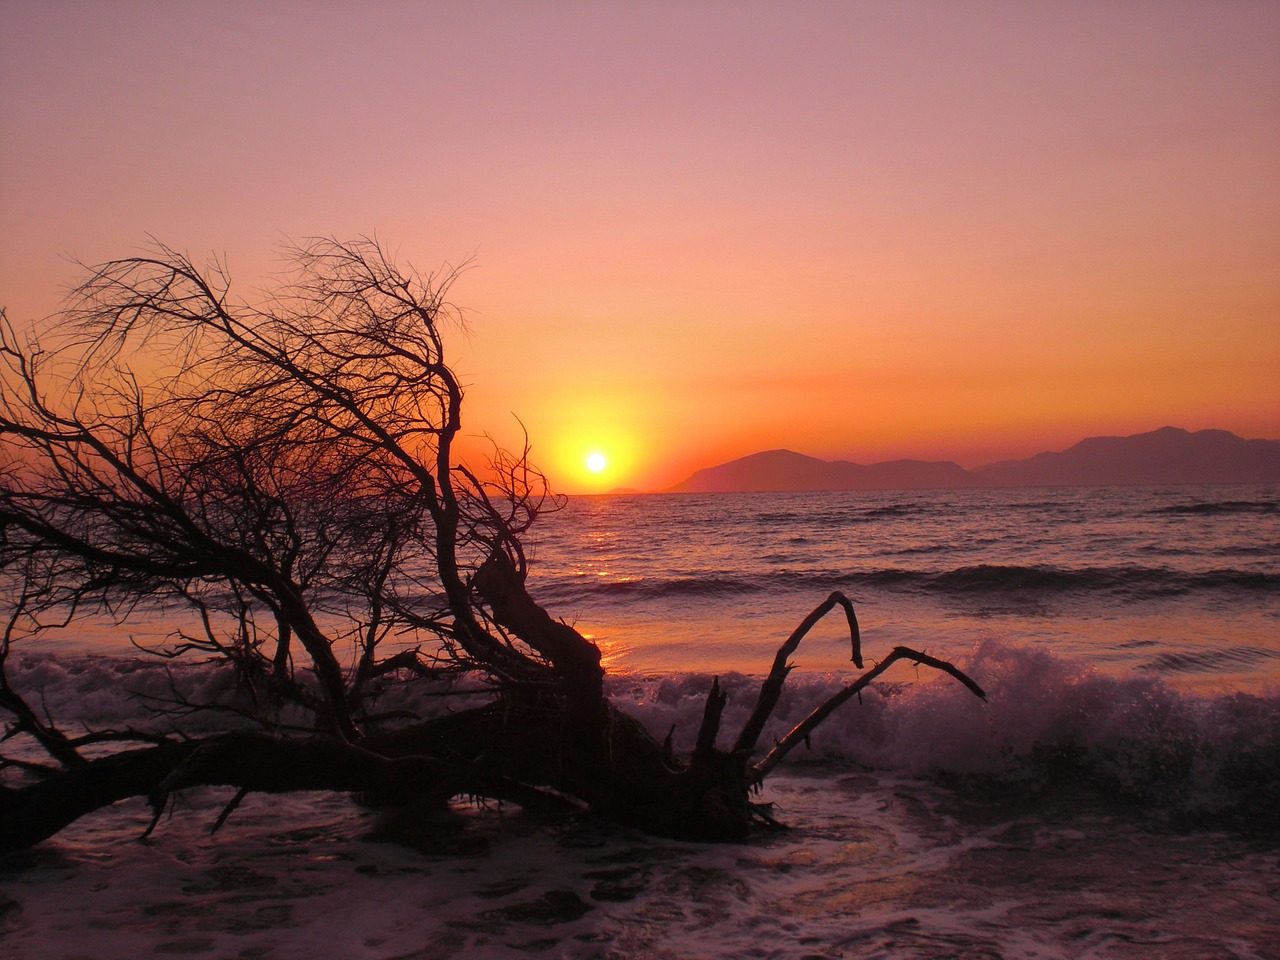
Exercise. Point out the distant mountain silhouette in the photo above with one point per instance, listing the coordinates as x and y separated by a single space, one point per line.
1165 456
785 470
1168 455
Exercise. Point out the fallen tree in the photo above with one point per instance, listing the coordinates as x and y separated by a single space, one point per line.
285 473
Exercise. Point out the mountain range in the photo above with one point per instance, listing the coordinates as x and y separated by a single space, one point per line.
1165 456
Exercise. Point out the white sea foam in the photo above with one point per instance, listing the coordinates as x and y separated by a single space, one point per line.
872 866
876 861
1045 719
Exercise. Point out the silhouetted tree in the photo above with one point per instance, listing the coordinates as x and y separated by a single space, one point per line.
285 473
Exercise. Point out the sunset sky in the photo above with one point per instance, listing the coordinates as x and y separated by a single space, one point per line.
696 230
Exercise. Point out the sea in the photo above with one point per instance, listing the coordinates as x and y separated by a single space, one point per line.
1117 795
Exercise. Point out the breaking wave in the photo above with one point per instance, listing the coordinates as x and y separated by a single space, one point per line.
992 579
840 517
1048 721
1221 506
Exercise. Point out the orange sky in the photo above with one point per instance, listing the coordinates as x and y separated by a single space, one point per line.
962 230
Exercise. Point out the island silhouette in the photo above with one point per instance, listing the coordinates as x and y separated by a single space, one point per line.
1169 455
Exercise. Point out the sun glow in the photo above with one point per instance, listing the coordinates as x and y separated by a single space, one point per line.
586 453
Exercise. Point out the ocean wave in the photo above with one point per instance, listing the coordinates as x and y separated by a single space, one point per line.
1209 661
894 511
1146 581
1001 578
840 517
1047 721
1006 580
645 587
1221 506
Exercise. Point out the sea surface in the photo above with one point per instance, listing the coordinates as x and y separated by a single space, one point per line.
1116 796
1178 582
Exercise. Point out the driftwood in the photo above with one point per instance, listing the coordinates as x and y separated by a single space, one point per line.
529 741
292 468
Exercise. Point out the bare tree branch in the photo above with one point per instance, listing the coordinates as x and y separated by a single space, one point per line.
279 478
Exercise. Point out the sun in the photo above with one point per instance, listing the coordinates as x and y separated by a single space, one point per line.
596 462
